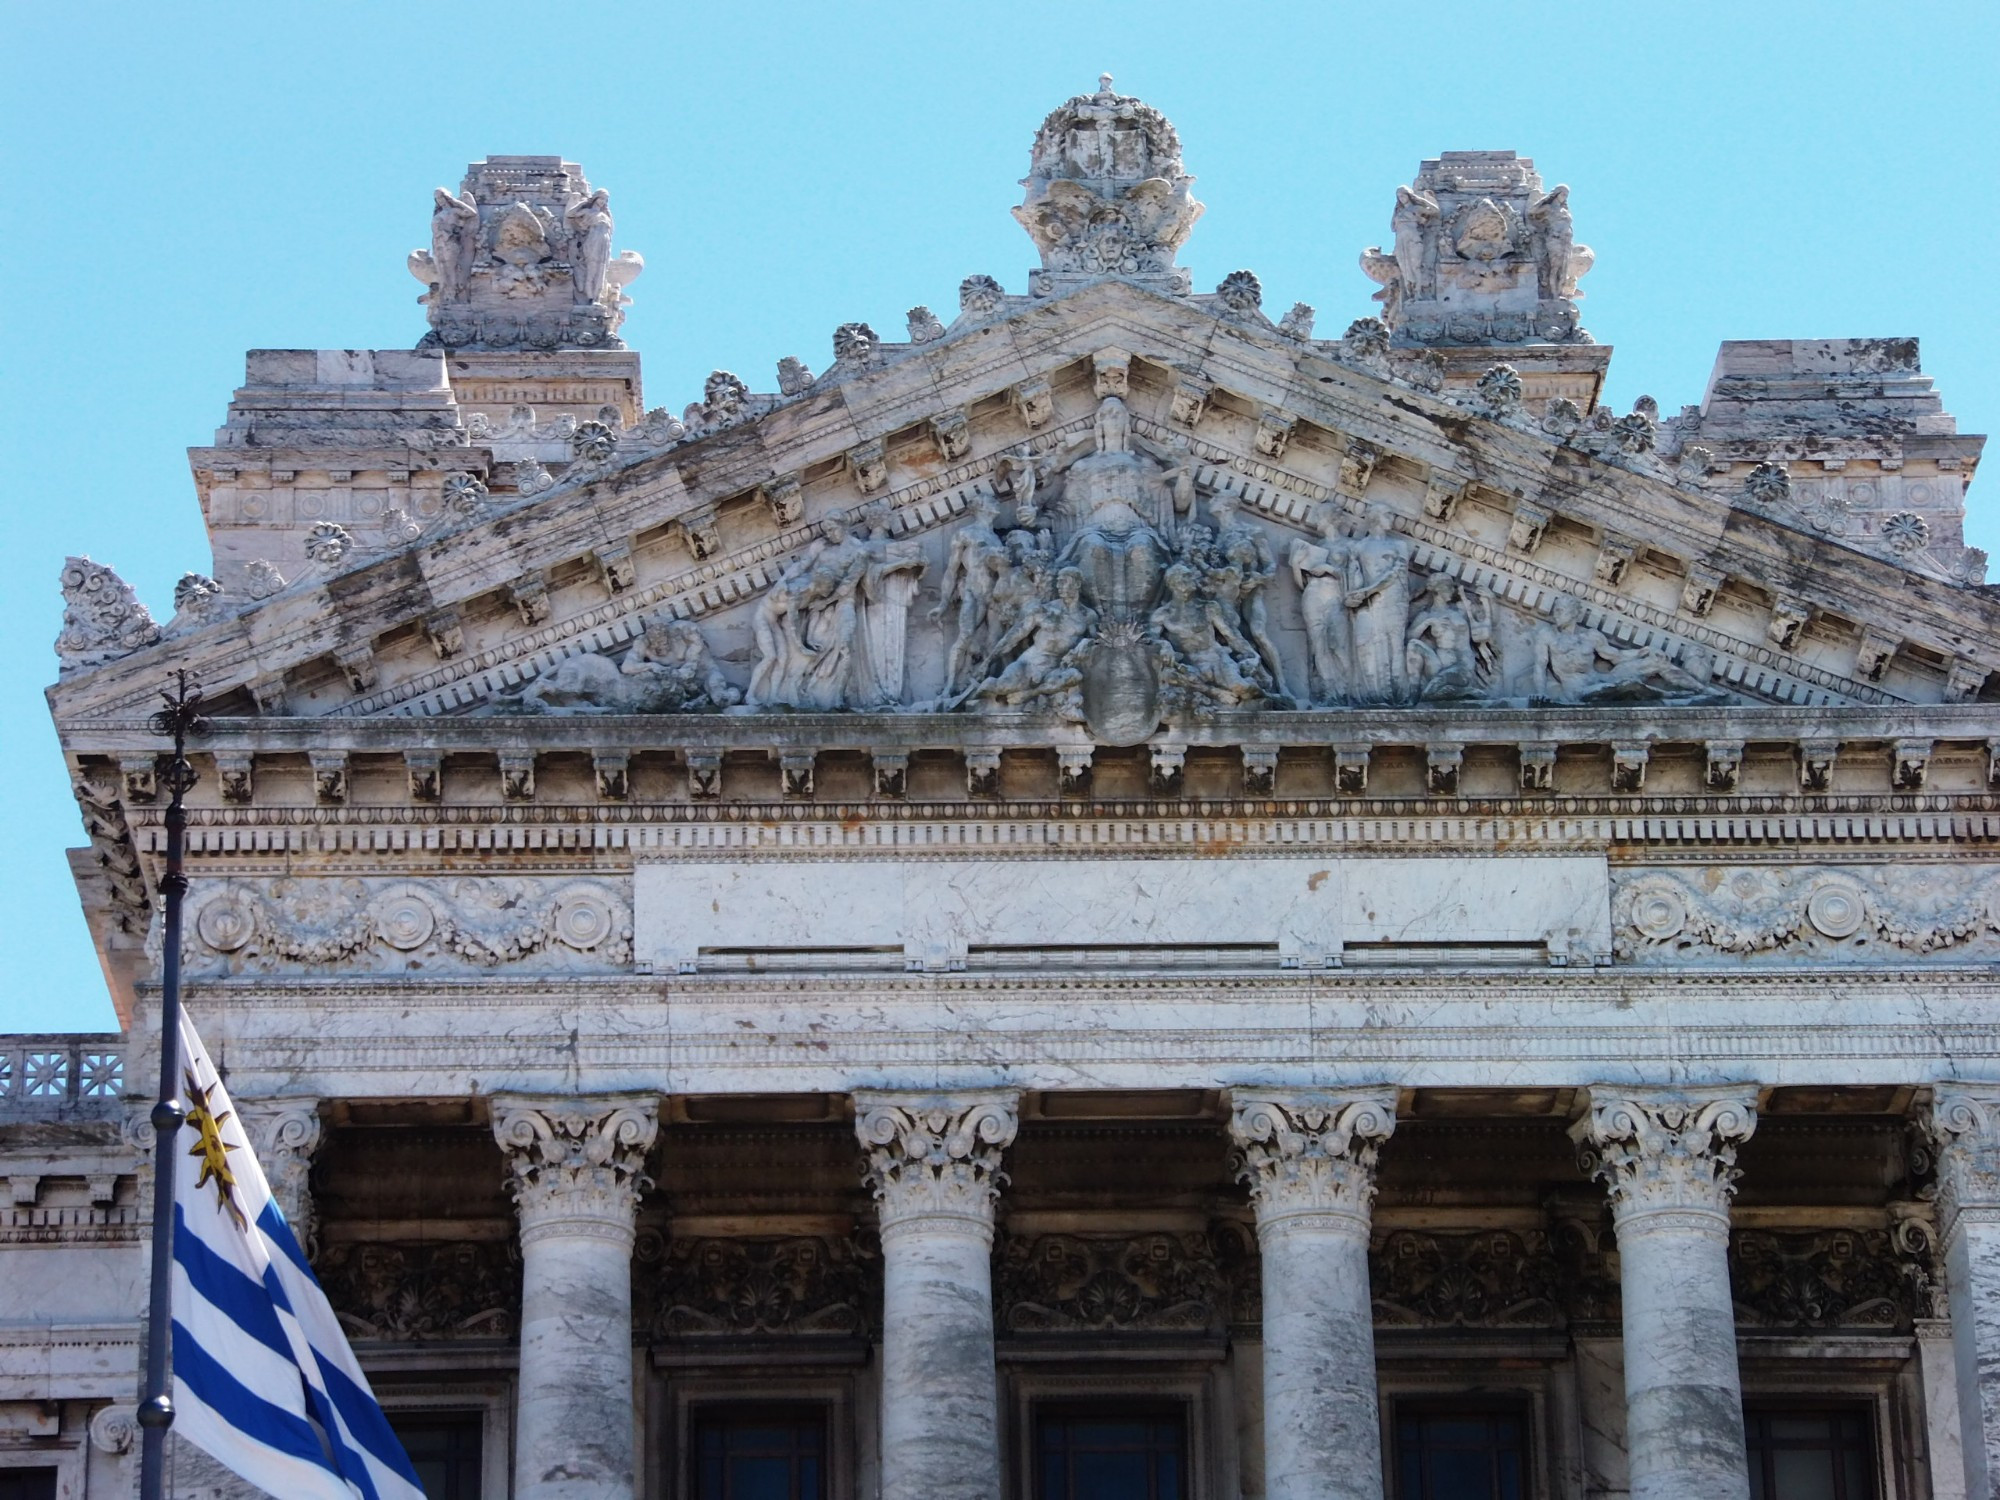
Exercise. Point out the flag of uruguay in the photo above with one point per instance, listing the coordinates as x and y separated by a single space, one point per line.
264 1381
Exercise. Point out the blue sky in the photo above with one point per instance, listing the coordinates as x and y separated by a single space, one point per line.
195 180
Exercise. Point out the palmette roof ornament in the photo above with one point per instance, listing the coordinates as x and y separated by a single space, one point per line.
1106 194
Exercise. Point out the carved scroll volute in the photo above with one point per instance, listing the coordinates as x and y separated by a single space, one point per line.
1666 1150
1963 1125
1311 1152
577 1161
935 1159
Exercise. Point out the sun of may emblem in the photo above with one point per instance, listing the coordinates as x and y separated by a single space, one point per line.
212 1149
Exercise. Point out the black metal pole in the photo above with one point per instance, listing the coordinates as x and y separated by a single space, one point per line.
156 1409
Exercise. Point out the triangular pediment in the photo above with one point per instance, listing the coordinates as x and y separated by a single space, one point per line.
1585 548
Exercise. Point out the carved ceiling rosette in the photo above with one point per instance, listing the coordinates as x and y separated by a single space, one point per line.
1074 1283
576 1161
1664 1150
1310 1152
414 1292
804 1285
936 1159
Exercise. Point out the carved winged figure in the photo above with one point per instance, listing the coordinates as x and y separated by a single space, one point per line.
1386 272
454 242
1559 260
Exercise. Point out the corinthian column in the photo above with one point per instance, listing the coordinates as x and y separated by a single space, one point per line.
1963 1123
578 1168
1668 1159
285 1133
934 1163
1309 1158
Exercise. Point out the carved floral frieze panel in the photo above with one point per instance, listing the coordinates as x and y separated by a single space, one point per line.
1495 1278
413 1292
1806 912
1826 1279
1084 1283
259 925
803 1284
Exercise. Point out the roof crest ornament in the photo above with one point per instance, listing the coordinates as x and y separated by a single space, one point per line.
1106 194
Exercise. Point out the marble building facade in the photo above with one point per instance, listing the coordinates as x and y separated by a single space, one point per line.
1117 895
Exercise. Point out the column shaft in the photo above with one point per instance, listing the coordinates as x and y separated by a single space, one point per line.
935 1166
1309 1158
577 1177
1964 1123
1668 1159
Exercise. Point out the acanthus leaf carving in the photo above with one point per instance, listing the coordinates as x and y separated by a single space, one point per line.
936 1158
414 1293
576 1159
799 1286
1665 1150
1497 1278
1310 1151
102 616
1820 1279
1093 1283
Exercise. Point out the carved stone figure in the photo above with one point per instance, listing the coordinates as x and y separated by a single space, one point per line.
1415 225
1320 572
454 243
1051 642
1205 649
1377 600
102 616
1559 259
667 671
807 622
976 563
589 224
1449 652
1565 658
888 585
1244 566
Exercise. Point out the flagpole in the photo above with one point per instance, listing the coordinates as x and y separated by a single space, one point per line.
177 720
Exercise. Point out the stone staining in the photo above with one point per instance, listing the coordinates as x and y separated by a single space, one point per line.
520 258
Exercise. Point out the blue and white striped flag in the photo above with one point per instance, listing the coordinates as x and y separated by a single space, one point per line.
264 1381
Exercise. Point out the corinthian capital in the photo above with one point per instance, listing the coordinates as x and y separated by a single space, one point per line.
1663 1149
285 1134
1963 1125
578 1161
1309 1151
936 1156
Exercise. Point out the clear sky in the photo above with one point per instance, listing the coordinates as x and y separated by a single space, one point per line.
194 180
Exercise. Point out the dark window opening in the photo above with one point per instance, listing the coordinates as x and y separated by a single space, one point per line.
446 1450
27 1484
1461 1452
1111 1452
1810 1453
760 1453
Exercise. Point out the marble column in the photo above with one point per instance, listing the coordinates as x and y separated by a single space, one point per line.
1668 1159
1309 1157
578 1168
286 1134
1963 1123
934 1163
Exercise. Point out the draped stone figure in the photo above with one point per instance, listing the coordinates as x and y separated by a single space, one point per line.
805 625
454 242
888 584
589 221
1320 571
1415 226
1378 605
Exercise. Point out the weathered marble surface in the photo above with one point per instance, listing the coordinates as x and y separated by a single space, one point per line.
935 912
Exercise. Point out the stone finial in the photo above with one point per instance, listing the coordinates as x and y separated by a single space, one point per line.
1666 1149
936 1157
520 258
1106 195
1310 1151
576 1158
1480 255
102 616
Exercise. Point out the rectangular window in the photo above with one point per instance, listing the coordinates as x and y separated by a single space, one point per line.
27 1484
446 1450
1111 1452
1810 1453
760 1453
1461 1452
